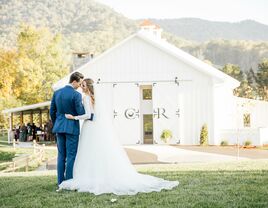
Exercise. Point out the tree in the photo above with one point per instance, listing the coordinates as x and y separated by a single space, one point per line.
28 73
234 71
41 61
262 79
244 90
251 77
252 82
8 71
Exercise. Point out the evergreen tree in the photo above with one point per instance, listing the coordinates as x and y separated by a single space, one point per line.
244 90
252 82
262 79
251 77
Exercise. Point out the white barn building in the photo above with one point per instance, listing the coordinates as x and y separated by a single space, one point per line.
156 87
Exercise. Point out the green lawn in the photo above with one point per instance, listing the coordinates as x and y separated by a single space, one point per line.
7 153
197 189
6 156
3 141
3 137
49 153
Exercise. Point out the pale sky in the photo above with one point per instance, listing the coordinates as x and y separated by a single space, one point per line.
216 10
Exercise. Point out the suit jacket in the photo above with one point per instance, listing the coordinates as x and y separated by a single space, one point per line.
66 101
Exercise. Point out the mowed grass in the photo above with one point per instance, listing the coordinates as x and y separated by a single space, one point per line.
222 188
3 140
7 153
6 156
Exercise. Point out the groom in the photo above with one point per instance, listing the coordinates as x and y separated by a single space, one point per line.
67 101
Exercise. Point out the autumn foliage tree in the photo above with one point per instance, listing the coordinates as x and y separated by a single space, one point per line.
28 71
41 62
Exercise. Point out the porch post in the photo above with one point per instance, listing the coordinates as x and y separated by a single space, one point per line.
10 115
47 115
31 117
21 118
11 120
40 118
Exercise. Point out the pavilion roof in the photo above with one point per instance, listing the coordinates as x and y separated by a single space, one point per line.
37 106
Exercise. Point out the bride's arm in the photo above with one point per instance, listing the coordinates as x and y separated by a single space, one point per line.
88 112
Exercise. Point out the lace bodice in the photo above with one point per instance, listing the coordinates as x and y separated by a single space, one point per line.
88 109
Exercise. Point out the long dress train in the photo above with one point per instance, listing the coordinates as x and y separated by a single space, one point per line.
102 165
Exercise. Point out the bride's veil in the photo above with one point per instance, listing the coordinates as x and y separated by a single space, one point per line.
101 164
103 102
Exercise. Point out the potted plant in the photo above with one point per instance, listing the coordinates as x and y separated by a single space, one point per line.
166 135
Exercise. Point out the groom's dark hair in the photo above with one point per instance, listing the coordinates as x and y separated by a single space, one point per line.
76 76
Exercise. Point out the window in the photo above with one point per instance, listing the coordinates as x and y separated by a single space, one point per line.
148 124
148 129
246 118
147 94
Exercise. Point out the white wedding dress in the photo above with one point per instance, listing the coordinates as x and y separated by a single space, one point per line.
102 165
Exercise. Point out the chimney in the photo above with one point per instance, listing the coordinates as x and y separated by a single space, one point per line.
80 58
148 27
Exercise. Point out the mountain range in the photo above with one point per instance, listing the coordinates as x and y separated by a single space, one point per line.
90 26
203 30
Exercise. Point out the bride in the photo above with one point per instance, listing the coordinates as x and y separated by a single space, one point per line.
102 165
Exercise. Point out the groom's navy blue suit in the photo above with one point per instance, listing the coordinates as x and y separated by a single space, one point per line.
66 101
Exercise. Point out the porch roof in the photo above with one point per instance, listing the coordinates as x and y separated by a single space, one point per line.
28 108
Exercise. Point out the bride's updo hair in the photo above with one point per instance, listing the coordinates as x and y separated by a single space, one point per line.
89 83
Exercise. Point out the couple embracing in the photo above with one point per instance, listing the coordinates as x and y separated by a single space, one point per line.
93 161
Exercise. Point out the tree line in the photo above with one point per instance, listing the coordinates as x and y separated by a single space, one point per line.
253 84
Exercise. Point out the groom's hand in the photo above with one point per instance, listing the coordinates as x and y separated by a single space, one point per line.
69 116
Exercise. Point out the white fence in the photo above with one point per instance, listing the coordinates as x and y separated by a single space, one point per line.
257 137
25 161
264 136
3 132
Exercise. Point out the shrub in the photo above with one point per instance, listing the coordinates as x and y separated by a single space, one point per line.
204 135
224 143
247 142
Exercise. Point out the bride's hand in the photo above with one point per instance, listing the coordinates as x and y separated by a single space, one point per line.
69 116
